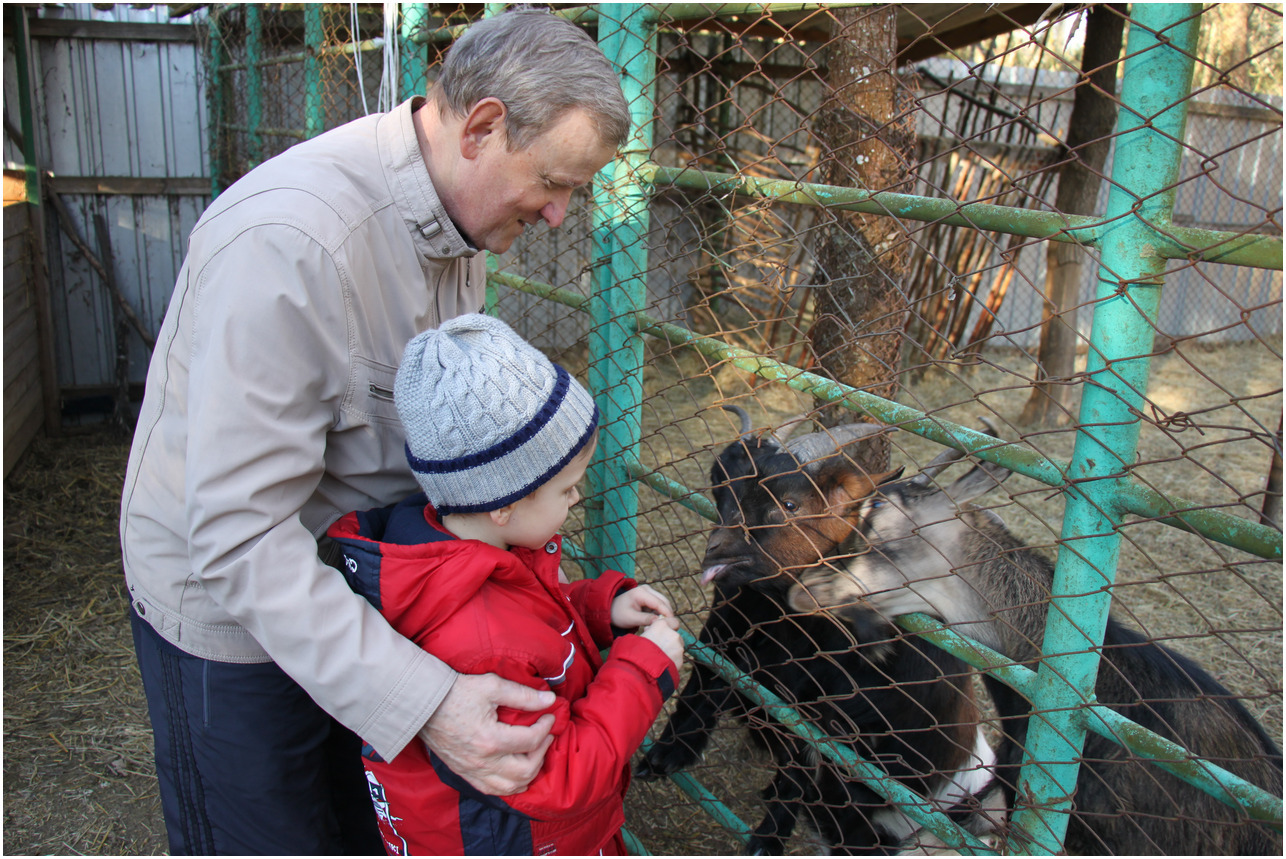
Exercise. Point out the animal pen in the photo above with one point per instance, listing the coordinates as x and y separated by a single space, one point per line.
1066 220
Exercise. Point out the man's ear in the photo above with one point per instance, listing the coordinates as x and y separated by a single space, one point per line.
500 518
485 125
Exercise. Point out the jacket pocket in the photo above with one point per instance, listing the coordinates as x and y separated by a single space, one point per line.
370 396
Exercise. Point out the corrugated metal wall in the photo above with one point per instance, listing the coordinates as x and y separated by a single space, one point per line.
113 106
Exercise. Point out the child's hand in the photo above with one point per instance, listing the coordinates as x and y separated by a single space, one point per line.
640 606
661 632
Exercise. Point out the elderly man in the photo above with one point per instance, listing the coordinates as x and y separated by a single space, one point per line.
269 413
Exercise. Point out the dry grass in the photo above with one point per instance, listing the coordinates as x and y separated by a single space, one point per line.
78 771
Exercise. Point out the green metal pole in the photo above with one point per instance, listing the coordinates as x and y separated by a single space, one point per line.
1150 126
314 116
412 56
620 284
1176 243
26 106
254 83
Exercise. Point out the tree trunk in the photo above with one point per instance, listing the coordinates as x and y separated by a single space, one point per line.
861 311
1093 118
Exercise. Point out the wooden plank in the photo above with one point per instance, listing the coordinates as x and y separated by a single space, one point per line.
134 186
18 316
25 387
17 250
17 220
123 31
20 356
19 431
17 282
15 188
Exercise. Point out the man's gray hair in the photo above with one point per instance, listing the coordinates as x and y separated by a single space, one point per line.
540 66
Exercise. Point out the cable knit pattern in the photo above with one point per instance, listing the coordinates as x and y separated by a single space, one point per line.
488 418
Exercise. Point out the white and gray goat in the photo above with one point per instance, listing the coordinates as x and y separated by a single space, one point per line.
784 508
926 548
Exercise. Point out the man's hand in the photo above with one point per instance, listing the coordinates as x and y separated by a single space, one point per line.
496 758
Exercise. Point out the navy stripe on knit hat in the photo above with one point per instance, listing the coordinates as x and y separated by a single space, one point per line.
488 417
505 446
532 486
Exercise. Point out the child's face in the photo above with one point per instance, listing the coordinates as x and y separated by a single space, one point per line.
538 517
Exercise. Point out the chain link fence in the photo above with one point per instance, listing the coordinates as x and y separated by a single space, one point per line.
913 201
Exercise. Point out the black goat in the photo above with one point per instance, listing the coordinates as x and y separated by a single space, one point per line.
926 549
785 509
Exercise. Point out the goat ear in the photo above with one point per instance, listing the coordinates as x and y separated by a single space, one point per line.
978 481
844 485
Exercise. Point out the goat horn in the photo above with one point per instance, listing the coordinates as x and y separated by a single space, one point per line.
783 433
949 456
740 413
816 445
939 462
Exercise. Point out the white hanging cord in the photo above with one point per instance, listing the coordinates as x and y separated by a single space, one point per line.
392 66
357 53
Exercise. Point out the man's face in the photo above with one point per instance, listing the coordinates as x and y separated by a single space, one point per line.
508 191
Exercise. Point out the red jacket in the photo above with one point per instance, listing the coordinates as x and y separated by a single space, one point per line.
484 610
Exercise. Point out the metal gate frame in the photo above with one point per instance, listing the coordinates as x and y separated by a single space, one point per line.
1134 238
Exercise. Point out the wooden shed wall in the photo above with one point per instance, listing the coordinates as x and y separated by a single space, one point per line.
23 398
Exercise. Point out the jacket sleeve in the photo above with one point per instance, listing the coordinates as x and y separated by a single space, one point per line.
596 735
266 392
592 598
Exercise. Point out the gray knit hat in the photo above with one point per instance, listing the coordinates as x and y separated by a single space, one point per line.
488 418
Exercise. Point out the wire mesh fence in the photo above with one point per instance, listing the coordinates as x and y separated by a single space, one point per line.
983 301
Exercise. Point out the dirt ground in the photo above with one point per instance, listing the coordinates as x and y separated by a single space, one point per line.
78 775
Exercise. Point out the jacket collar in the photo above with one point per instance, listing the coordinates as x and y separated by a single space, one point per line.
416 199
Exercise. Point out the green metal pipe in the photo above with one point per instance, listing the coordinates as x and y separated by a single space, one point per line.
620 290
1252 537
314 120
694 501
1255 802
346 49
1157 77
706 800
1174 243
633 847
414 72
254 83
26 107
659 13
265 131
907 801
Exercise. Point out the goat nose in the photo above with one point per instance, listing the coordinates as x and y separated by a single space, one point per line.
722 539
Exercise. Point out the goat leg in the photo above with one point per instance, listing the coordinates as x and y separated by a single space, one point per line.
705 697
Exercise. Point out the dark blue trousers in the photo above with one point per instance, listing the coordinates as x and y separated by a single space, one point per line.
248 764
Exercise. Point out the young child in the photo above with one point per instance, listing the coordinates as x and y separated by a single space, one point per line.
498 438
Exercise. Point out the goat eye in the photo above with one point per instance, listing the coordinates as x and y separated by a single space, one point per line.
876 503
789 506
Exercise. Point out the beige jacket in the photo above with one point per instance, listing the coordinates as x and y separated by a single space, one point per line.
269 414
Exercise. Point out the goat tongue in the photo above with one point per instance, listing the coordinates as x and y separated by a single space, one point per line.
710 573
